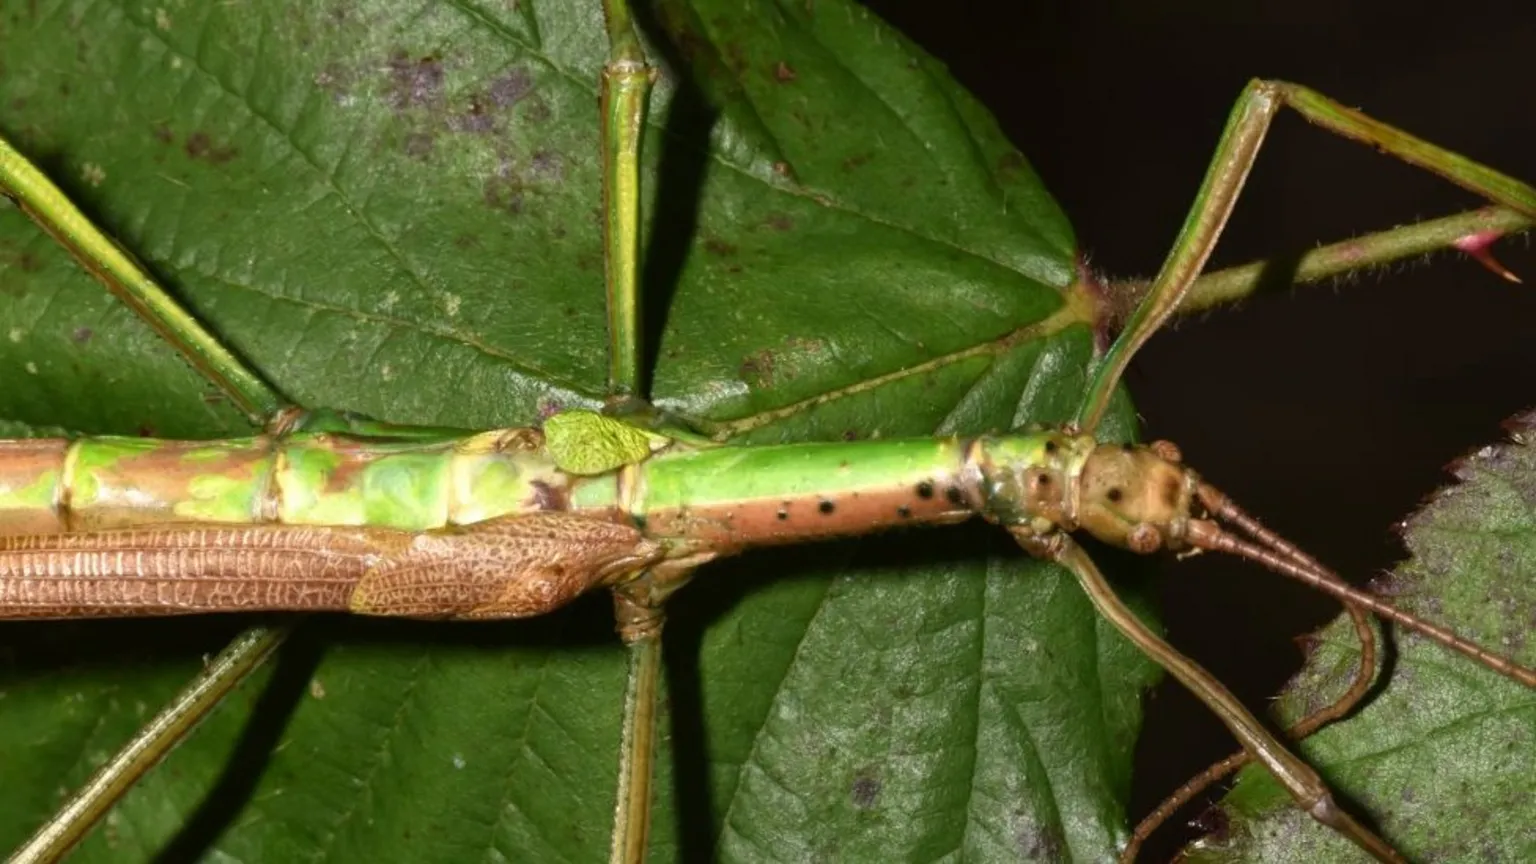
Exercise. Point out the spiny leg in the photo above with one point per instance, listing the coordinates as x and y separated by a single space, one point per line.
1304 785
1235 155
626 87
46 204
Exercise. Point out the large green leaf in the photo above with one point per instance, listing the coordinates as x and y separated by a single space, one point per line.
1442 758
394 209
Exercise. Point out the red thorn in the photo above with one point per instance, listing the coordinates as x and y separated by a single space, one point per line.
1476 245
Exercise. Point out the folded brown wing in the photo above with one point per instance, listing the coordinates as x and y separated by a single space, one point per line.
512 567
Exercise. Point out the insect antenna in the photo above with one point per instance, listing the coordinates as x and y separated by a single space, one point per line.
1222 507
1282 557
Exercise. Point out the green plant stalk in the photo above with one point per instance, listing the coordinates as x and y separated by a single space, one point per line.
1235 155
1346 257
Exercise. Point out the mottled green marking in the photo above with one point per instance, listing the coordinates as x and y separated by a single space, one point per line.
33 496
585 442
96 457
218 499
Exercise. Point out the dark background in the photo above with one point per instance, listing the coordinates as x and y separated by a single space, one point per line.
1328 411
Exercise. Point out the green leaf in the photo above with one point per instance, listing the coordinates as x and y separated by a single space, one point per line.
1441 758
394 209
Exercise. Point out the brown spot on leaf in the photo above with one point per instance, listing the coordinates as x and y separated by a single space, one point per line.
511 88
779 222
414 82
546 166
200 146
783 72
757 369
475 120
716 246
82 335
866 788
163 134
1040 843
857 161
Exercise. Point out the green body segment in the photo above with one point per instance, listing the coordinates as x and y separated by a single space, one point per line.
410 482
726 498
691 497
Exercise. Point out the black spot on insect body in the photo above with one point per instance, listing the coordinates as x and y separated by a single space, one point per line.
954 496
1128 447
783 515
1050 446
904 512
1115 494
826 507
925 490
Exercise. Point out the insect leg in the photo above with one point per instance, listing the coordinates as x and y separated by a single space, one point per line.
1304 785
1235 155
125 278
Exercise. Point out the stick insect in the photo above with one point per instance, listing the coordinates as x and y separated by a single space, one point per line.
413 87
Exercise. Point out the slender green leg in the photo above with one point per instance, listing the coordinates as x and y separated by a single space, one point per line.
1349 256
1235 155
625 96
1295 775
145 750
47 205
640 618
